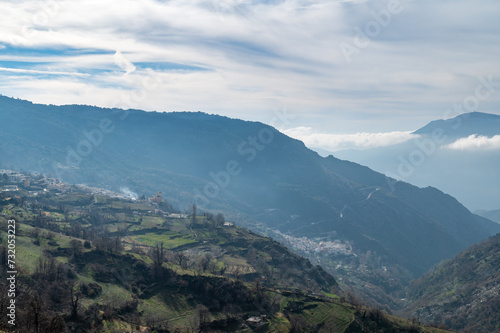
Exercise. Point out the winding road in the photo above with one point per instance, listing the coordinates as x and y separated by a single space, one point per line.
341 215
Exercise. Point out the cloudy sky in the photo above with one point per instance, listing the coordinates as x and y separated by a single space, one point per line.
350 73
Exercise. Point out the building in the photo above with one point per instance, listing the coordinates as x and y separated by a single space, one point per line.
51 181
9 188
27 182
157 199
178 216
15 177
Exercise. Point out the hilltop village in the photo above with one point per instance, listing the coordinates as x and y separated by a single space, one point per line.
15 184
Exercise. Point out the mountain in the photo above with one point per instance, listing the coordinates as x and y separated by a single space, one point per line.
256 175
92 263
427 159
462 293
493 215
463 126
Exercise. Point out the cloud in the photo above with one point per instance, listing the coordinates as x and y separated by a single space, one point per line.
124 63
475 142
258 55
32 71
336 142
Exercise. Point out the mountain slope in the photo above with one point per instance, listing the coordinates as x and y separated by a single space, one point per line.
141 270
462 293
493 215
426 160
247 169
464 125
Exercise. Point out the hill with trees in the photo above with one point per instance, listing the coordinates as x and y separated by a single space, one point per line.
90 263
462 293
250 171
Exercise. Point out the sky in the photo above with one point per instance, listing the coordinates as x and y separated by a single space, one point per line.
348 73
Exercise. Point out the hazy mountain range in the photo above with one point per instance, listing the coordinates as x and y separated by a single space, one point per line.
493 215
258 176
459 156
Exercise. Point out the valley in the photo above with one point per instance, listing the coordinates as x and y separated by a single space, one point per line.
95 263
395 231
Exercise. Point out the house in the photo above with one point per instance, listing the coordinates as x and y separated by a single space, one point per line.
27 182
157 199
8 188
15 177
256 322
51 181
178 216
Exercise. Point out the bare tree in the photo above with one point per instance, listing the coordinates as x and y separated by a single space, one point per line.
202 314
158 256
181 258
193 215
220 219
156 321
74 299
76 247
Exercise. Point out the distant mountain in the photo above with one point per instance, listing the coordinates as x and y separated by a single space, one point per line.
464 125
255 174
462 293
469 175
493 215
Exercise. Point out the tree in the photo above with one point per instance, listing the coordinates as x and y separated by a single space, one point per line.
220 219
76 247
118 241
74 299
202 314
158 256
156 321
231 310
193 215
182 259
204 263
35 311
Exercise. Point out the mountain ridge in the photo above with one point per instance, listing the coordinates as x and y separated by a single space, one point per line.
464 125
255 174
427 159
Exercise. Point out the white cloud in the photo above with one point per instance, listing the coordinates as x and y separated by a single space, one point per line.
124 63
33 71
475 142
260 55
336 142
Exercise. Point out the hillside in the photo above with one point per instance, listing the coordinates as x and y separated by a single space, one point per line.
462 293
90 263
250 171
493 215
426 160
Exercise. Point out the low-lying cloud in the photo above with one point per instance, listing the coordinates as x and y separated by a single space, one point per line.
475 142
336 142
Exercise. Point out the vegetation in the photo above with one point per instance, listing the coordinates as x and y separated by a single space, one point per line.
250 171
91 264
462 293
